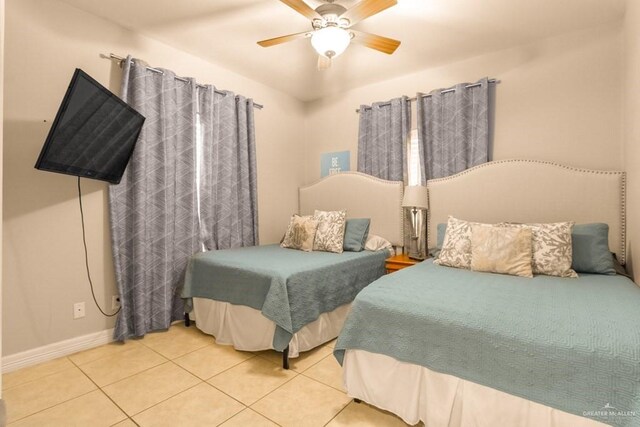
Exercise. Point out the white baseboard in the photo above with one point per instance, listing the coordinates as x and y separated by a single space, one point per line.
55 350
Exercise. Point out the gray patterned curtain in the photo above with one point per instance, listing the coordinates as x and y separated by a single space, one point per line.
382 139
228 177
384 131
153 211
191 183
453 129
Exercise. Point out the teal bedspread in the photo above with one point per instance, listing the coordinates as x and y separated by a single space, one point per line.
290 287
572 344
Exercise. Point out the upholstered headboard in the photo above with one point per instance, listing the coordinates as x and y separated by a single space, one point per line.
363 196
531 191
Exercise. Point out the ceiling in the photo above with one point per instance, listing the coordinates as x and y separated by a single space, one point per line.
433 32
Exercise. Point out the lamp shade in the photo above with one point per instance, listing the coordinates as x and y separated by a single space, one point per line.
330 41
415 196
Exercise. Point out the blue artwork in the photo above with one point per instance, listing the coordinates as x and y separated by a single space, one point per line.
331 163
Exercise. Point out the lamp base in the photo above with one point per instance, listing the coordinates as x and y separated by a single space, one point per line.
415 249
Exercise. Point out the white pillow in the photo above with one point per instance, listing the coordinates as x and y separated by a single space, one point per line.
504 250
377 243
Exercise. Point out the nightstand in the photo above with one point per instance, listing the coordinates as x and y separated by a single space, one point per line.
399 262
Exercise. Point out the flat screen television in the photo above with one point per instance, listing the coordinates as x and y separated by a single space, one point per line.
93 134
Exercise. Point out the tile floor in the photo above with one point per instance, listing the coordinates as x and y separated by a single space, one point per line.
182 378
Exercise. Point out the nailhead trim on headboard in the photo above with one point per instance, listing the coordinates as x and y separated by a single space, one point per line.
623 213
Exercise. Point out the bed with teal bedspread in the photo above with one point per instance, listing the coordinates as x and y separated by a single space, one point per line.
290 287
571 344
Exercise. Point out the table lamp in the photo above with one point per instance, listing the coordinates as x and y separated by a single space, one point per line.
417 199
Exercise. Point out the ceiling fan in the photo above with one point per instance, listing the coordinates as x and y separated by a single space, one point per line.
332 30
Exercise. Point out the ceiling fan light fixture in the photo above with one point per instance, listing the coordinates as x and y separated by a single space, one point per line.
330 41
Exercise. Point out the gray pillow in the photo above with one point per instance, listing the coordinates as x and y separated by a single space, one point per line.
590 246
356 233
442 229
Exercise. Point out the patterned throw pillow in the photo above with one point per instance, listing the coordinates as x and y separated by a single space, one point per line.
330 233
300 233
504 250
552 252
456 248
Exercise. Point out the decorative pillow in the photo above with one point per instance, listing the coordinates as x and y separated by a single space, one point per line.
355 234
300 233
441 230
504 250
330 232
552 251
590 246
456 248
377 243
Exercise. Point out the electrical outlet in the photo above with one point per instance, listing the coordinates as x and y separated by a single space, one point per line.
115 302
78 310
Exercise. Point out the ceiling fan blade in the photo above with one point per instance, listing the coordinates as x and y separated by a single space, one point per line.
373 41
367 8
283 39
323 62
302 8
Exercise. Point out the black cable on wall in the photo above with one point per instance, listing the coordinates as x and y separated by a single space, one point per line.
86 258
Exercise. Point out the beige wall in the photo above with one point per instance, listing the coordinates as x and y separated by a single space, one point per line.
560 99
44 274
632 132
1 141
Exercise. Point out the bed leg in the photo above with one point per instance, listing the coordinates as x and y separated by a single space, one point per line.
357 400
187 320
285 358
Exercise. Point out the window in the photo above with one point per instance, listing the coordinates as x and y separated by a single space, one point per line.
413 159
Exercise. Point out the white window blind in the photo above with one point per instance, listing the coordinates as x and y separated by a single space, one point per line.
413 159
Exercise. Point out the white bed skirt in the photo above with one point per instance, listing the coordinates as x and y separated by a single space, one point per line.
246 329
416 393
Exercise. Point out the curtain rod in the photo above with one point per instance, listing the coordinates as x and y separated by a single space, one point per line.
120 59
494 81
